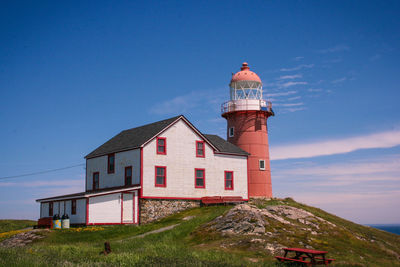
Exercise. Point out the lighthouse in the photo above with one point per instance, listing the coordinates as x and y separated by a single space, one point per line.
247 113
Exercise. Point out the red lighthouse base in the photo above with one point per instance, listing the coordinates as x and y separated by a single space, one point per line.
250 134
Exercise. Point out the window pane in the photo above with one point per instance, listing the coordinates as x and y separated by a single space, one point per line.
262 164
228 183
160 171
228 175
160 180
161 149
161 142
129 172
199 182
199 173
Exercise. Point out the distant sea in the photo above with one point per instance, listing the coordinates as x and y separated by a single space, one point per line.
392 228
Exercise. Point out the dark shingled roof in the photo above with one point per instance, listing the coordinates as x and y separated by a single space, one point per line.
136 137
224 146
132 138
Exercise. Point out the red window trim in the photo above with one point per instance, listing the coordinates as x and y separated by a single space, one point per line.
73 206
51 208
165 176
227 188
108 163
127 167
165 146
98 186
197 151
204 177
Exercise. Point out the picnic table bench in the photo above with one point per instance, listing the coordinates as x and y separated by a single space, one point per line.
221 200
308 257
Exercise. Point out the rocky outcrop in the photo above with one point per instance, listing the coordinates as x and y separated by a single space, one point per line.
271 227
155 209
23 239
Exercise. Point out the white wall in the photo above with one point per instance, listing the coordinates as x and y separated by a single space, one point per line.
122 160
105 209
181 161
78 218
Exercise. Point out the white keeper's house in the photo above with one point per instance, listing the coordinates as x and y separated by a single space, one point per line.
146 173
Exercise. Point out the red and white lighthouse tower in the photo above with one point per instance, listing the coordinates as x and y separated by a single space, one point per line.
247 113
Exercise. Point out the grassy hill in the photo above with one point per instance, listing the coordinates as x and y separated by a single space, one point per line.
9 225
196 242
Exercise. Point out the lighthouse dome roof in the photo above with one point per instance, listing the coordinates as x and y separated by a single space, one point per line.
245 74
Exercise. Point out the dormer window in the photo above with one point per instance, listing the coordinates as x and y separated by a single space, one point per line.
111 163
231 131
200 152
161 145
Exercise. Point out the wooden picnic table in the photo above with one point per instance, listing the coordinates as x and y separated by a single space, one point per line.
308 257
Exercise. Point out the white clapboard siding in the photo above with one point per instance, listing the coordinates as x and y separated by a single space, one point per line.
181 162
122 160
105 209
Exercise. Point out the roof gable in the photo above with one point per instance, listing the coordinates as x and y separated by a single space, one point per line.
132 138
140 136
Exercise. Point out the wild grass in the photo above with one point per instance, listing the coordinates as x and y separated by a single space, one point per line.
186 245
10 225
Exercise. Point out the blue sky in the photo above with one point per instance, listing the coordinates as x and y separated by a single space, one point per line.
74 74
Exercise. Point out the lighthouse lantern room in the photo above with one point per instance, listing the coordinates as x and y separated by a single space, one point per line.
246 114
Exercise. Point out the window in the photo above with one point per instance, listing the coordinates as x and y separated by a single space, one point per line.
200 152
128 175
231 131
50 208
200 175
161 145
111 163
262 164
161 176
228 180
96 180
73 206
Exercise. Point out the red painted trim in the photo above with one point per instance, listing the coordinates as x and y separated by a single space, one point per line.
248 181
197 150
127 168
73 206
179 198
165 176
133 207
93 183
109 223
204 177
109 170
86 178
87 211
141 171
172 198
117 192
158 145
122 206
228 188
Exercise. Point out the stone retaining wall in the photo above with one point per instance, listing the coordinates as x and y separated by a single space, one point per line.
155 209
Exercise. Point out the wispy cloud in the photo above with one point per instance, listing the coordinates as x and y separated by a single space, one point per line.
287 77
289 104
334 49
314 90
330 147
298 58
59 183
294 98
281 94
289 84
340 80
299 67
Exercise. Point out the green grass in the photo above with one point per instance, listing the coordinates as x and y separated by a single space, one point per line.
10 225
169 248
190 244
